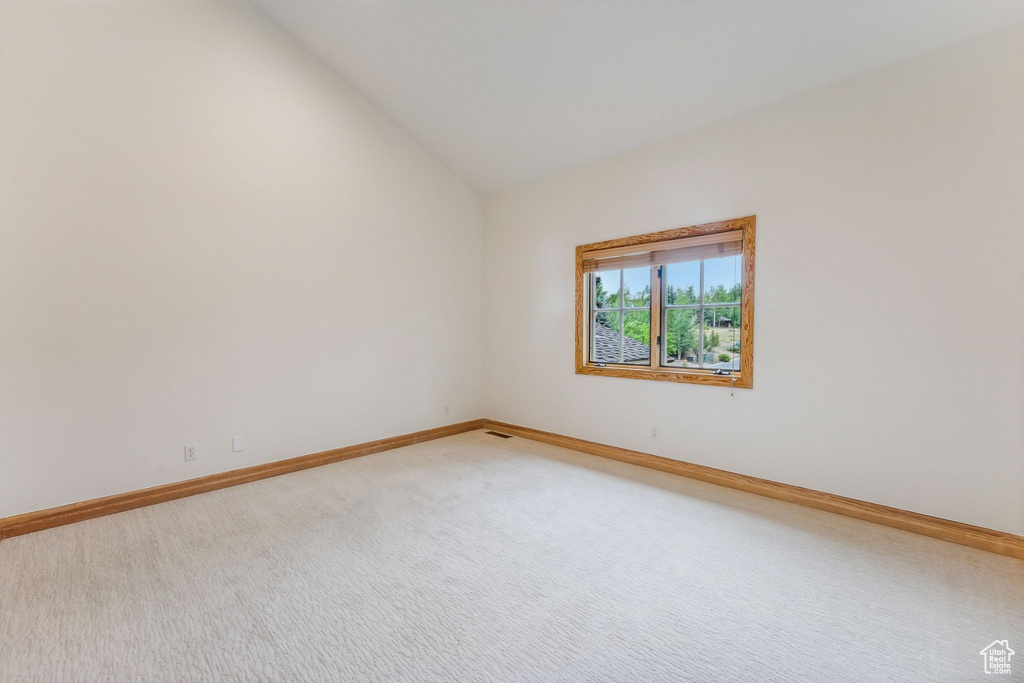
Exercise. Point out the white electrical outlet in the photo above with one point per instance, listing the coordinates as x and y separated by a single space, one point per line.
191 451
237 444
654 432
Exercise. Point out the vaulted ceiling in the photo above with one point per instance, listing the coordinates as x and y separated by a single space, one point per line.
508 91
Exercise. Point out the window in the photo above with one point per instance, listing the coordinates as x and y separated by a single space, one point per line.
676 305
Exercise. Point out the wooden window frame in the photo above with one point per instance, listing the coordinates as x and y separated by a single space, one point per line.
742 379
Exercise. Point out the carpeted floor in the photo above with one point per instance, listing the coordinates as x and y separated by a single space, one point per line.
479 559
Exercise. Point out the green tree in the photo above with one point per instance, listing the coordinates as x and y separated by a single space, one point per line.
681 334
677 296
711 339
600 295
601 301
637 324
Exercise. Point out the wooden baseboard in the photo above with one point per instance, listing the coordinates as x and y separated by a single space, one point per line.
936 527
76 512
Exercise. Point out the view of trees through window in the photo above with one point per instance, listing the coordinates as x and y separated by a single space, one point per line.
622 316
701 309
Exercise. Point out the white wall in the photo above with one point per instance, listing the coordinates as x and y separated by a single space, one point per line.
203 233
889 323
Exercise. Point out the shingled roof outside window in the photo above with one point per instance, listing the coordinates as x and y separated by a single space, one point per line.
606 347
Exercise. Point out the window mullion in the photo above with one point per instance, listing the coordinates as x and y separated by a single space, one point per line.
655 317
593 316
700 318
622 316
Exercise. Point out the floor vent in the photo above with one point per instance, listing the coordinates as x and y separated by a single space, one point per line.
500 436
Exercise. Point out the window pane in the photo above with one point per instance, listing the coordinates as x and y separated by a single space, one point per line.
722 338
722 279
682 282
606 342
637 287
636 345
606 288
681 337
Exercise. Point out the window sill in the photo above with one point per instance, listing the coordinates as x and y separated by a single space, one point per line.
687 376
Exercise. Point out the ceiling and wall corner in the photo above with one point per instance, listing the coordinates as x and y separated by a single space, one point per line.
890 232
506 92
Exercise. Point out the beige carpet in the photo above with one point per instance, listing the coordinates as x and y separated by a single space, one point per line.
479 559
